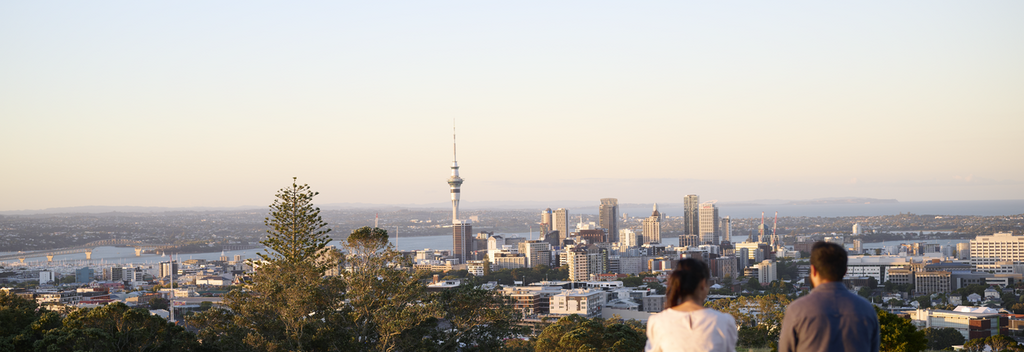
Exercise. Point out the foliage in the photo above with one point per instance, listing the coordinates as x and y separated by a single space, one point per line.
942 338
898 334
753 285
297 232
997 342
465 314
159 303
575 333
758 317
22 323
289 304
383 299
116 327
632 281
657 287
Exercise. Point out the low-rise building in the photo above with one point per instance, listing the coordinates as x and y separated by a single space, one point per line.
971 322
582 302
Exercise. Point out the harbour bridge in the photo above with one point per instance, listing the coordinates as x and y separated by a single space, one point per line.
87 249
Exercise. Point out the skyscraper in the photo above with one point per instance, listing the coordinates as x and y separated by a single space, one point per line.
462 231
545 221
725 229
708 223
608 217
652 227
560 223
691 215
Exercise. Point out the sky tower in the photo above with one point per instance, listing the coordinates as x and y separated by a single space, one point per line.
455 182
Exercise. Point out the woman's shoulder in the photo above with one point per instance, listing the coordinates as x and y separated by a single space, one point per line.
714 314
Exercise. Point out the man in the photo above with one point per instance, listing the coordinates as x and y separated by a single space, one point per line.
830 318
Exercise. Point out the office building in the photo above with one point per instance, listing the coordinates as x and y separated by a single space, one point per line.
464 243
767 271
536 253
545 221
560 223
708 223
608 217
691 215
963 251
167 267
689 241
84 275
929 282
652 227
971 322
582 263
628 238
725 229
583 302
997 247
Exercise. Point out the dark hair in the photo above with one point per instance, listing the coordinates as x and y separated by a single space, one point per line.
829 259
684 280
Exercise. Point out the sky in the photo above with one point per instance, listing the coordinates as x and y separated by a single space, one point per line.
220 104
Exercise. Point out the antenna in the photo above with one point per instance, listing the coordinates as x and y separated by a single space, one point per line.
455 151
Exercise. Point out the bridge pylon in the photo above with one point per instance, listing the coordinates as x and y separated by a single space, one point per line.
138 251
88 254
49 258
22 259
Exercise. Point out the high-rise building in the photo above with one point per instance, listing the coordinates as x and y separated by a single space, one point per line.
689 241
536 252
167 267
560 223
579 264
628 238
691 215
608 217
1000 246
85 274
725 229
856 229
708 223
545 221
652 227
462 235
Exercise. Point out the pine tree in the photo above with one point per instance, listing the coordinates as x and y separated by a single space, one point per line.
297 232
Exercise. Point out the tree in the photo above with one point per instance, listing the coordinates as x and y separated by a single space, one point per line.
753 285
116 327
942 338
297 232
22 322
758 317
290 304
469 319
576 333
632 281
159 303
384 300
997 343
898 334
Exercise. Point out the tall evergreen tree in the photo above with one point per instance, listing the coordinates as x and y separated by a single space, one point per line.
289 304
297 232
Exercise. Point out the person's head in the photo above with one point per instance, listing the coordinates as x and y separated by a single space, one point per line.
688 280
828 261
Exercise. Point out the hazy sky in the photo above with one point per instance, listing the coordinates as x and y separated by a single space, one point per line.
220 103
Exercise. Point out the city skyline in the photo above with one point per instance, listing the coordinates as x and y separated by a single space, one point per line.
218 105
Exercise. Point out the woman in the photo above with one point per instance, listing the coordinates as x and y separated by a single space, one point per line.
685 325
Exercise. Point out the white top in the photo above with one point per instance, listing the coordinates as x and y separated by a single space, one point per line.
701 330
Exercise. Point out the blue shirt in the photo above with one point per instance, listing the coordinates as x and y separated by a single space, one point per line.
830 318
